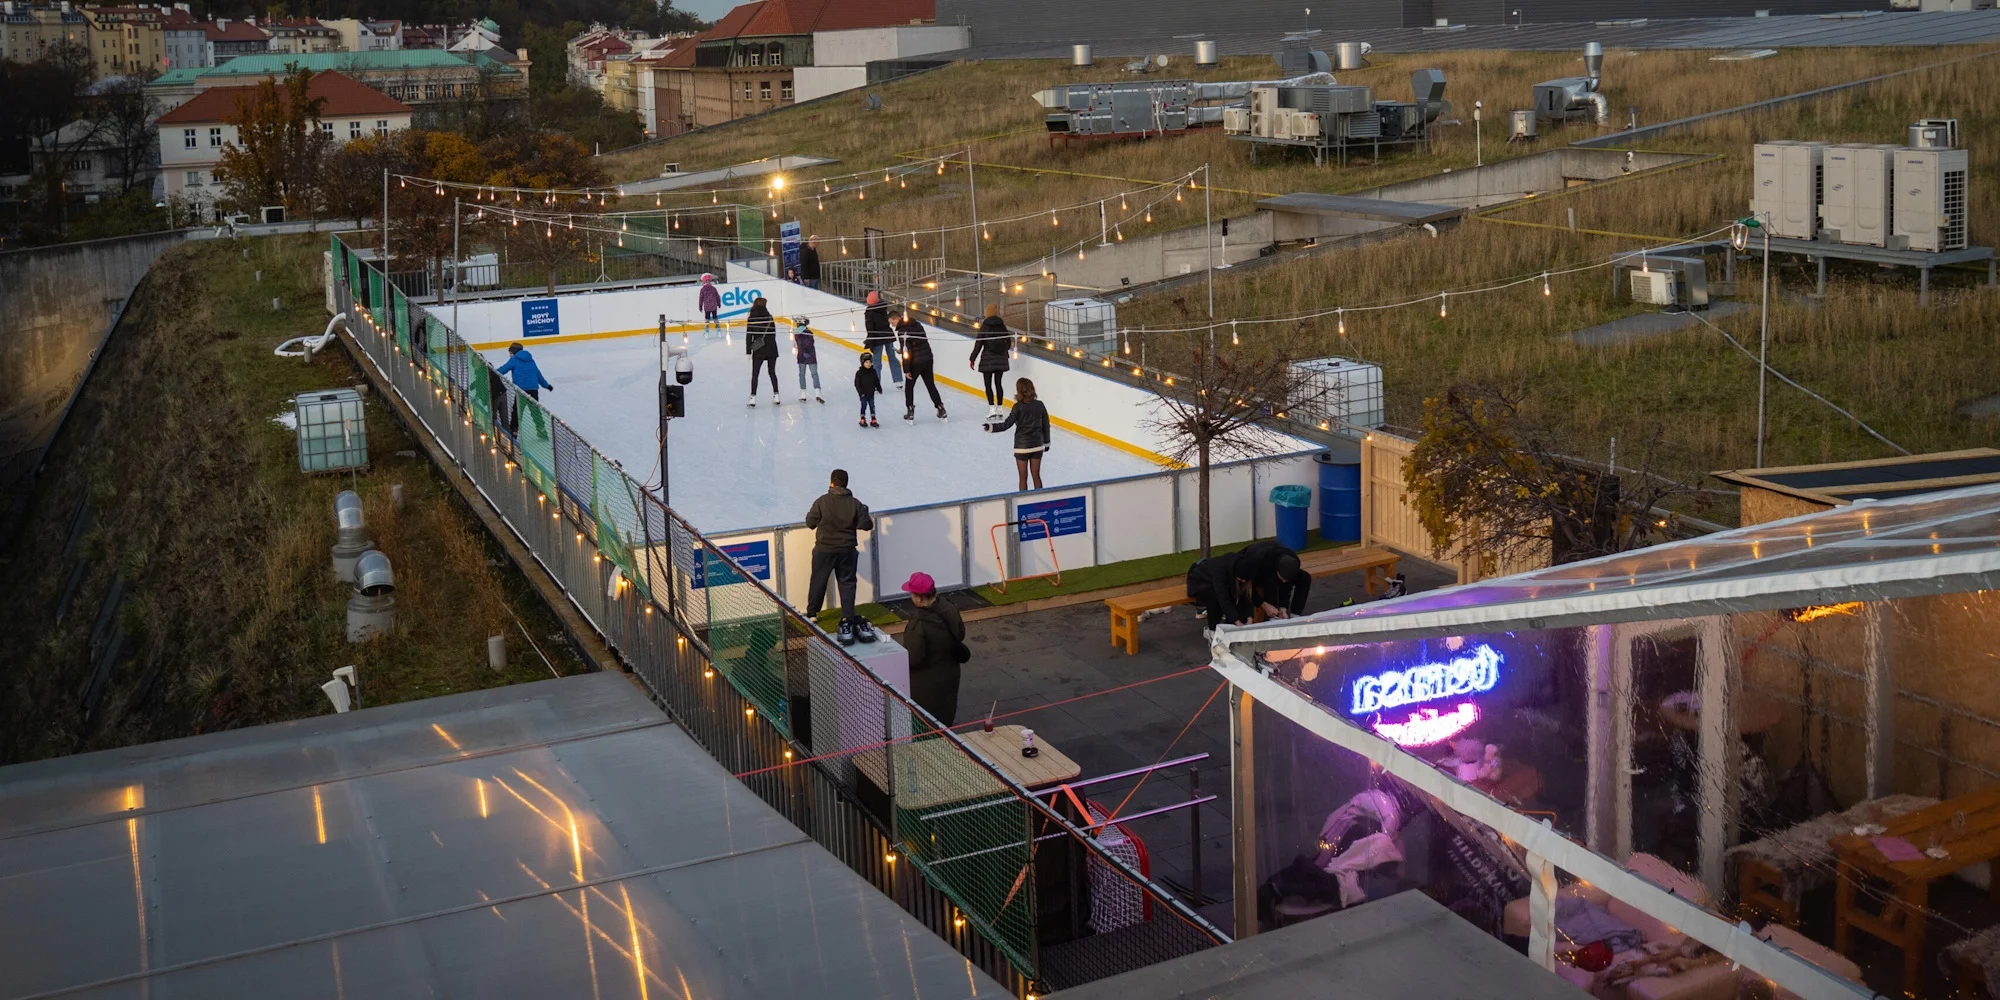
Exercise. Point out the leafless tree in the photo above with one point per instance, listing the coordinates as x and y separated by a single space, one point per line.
1215 398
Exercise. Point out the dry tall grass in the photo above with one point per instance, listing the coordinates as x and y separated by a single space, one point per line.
990 105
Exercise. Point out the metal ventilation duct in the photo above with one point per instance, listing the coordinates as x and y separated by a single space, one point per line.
352 538
1575 97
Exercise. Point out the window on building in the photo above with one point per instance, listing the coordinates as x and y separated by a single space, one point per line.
354 130
214 137
777 57
785 89
381 126
746 90
756 58
79 166
187 138
430 91
396 91
764 89
326 127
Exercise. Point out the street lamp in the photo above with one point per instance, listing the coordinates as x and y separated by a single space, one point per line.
1739 238
1478 137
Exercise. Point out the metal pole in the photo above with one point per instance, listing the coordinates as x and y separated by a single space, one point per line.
978 234
385 220
1194 838
1103 228
455 275
1764 347
665 420
1208 230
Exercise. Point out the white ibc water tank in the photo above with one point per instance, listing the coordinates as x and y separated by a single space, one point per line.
1091 324
1342 391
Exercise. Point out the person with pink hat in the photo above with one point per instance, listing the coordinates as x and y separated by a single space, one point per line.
935 639
879 339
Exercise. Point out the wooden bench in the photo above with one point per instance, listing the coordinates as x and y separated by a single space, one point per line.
1376 565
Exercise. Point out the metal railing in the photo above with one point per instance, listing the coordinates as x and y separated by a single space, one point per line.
855 277
866 772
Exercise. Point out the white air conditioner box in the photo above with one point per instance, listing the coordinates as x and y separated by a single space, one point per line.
1786 191
1930 211
1305 125
1235 121
1653 288
1857 193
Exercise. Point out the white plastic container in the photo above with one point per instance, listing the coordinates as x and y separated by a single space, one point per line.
1091 324
1344 392
333 430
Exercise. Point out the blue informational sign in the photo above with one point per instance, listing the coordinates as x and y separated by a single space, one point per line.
788 238
1062 516
753 557
538 318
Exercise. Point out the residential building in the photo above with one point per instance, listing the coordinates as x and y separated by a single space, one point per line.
840 59
480 36
193 136
437 84
126 41
228 39
186 40
362 35
745 64
300 36
589 51
93 163
662 79
28 32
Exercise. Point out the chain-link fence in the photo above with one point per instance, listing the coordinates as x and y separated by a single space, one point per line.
1006 878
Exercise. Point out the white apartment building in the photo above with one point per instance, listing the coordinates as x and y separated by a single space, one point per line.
193 136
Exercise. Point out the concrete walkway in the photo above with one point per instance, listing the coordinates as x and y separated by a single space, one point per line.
1652 324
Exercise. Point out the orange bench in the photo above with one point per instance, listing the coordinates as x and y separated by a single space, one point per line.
1376 565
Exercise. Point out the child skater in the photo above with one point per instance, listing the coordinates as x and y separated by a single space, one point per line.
806 353
868 383
711 304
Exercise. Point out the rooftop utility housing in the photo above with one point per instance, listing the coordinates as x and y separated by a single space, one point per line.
1575 97
1134 108
1324 116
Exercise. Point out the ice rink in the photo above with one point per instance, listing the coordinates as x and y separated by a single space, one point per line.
735 467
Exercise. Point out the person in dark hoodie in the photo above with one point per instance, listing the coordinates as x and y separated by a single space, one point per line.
1216 584
990 350
917 364
760 341
879 337
868 385
806 353
935 641
809 262
1030 421
1277 583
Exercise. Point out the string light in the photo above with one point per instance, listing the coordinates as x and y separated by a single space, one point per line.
1119 233
822 203
1441 304
1053 220
1233 340
1340 317
1545 284
1149 215
1121 201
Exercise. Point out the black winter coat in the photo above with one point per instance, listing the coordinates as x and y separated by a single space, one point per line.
991 347
760 334
1216 577
867 381
808 264
931 638
875 321
916 344
1030 420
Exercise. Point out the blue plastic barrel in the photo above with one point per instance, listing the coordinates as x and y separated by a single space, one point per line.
1292 502
1339 499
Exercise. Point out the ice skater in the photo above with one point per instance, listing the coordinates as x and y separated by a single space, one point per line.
1030 421
880 338
809 262
989 356
917 364
835 518
806 353
527 378
710 301
868 383
760 341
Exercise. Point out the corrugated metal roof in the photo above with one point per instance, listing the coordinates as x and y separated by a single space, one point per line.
559 839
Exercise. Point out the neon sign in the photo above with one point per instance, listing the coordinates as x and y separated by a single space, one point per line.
1470 674
1426 726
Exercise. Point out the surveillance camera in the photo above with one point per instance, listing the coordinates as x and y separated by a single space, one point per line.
683 369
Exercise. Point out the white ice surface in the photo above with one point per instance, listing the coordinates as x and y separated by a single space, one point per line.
736 467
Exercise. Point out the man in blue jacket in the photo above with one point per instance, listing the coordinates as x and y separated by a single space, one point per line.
527 378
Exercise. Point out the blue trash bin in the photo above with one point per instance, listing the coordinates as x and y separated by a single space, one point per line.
1339 499
1292 503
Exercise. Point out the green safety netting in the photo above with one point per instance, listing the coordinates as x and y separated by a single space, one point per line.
746 634
436 348
750 228
399 317
532 428
615 504
480 390
356 286
968 833
375 297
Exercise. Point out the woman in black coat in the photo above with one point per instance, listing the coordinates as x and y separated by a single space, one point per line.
1030 421
879 337
760 341
933 638
989 355
917 364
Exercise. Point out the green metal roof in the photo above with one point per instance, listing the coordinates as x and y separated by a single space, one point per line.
277 63
175 77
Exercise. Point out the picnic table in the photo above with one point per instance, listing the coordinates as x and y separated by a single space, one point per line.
1964 831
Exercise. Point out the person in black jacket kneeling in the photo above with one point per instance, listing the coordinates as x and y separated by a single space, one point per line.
1030 421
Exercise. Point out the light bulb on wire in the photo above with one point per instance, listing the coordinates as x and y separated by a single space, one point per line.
1234 341
1545 284
1441 304
1340 318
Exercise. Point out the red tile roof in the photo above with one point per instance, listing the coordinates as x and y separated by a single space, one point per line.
236 31
344 96
803 17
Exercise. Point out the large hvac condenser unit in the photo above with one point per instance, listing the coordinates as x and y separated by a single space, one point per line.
1786 191
1857 191
1930 200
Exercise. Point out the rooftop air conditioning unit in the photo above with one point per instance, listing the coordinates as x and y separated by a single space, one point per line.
1858 193
1653 288
1305 125
1930 211
1235 121
1787 184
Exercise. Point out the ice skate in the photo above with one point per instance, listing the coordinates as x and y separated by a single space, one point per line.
802 395
941 413
775 399
910 415
872 422
864 421
816 396
753 399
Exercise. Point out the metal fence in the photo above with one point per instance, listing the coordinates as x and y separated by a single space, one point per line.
855 277
1016 884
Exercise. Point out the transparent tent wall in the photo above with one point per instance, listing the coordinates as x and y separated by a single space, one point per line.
1866 710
